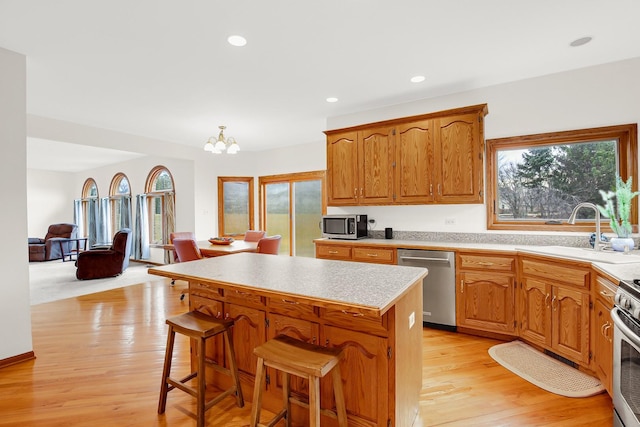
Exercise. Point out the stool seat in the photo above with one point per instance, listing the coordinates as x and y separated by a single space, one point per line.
295 357
199 327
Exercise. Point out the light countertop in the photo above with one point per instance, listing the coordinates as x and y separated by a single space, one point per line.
616 264
370 286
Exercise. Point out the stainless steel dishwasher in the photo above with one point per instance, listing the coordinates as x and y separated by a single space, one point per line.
438 287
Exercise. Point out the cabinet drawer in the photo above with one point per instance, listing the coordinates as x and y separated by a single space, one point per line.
605 291
486 262
333 252
356 320
205 290
205 305
566 274
292 308
377 255
243 298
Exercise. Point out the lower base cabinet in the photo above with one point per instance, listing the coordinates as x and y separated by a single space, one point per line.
602 330
369 343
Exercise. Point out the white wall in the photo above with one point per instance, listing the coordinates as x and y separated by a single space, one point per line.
49 199
15 311
591 97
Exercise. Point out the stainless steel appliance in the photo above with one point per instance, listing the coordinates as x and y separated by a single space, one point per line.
438 287
346 226
626 354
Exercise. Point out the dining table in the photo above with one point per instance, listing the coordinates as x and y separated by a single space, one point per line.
209 250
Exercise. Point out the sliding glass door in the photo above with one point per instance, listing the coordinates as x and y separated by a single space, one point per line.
292 205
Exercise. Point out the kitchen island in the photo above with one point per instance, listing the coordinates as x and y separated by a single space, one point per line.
368 310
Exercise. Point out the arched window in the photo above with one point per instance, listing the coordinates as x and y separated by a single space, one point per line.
120 203
87 211
160 205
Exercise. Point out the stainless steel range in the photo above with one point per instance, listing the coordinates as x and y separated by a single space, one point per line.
626 354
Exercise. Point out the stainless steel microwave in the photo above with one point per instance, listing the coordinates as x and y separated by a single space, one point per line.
348 227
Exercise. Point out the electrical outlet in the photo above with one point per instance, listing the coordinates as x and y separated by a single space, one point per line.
449 221
412 319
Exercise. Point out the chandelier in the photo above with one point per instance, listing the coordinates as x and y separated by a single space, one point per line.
219 144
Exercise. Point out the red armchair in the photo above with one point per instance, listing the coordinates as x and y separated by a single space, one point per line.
49 248
99 263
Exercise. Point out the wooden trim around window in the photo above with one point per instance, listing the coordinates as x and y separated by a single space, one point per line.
221 181
627 137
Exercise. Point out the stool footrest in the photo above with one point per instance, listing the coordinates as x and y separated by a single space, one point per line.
280 415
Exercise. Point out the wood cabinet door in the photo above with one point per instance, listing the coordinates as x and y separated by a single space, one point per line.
459 159
414 162
376 154
535 316
342 169
486 301
365 360
603 345
249 331
571 323
299 329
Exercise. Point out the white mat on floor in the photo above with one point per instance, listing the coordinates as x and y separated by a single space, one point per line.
545 371
55 280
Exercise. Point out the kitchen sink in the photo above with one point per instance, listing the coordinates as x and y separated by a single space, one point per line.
586 254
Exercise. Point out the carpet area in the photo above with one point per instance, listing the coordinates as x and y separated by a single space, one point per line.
55 280
545 371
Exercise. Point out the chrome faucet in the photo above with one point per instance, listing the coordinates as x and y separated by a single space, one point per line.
572 220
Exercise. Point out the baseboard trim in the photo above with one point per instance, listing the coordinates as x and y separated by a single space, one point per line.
17 359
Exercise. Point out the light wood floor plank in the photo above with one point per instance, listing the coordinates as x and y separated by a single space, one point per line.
99 362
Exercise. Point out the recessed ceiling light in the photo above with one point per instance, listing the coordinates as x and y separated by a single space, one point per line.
417 79
237 40
579 42
332 99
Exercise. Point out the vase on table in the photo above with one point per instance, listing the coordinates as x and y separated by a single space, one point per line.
622 244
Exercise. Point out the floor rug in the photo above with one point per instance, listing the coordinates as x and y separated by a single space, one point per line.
54 280
545 371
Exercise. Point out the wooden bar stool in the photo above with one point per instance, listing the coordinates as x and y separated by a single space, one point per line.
200 327
304 360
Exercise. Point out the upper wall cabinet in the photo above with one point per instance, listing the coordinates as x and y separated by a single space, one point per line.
433 158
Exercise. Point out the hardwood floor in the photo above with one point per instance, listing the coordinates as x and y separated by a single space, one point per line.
99 362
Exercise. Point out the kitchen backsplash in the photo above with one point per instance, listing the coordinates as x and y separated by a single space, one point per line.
490 238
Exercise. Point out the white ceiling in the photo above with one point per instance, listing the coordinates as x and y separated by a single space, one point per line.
163 68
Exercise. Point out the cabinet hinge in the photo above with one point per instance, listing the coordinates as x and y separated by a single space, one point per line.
515 324
266 322
590 355
389 422
393 132
590 305
388 352
267 379
480 193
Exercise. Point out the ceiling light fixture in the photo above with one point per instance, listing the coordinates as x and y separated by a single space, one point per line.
237 41
417 79
219 144
332 99
581 41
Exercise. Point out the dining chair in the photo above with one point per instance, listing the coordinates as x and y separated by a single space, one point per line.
180 235
269 245
254 235
186 250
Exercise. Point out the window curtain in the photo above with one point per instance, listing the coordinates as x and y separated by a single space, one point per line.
169 222
104 225
141 229
93 208
78 217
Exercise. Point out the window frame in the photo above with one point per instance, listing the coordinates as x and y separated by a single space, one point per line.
627 146
290 179
221 181
114 196
151 194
